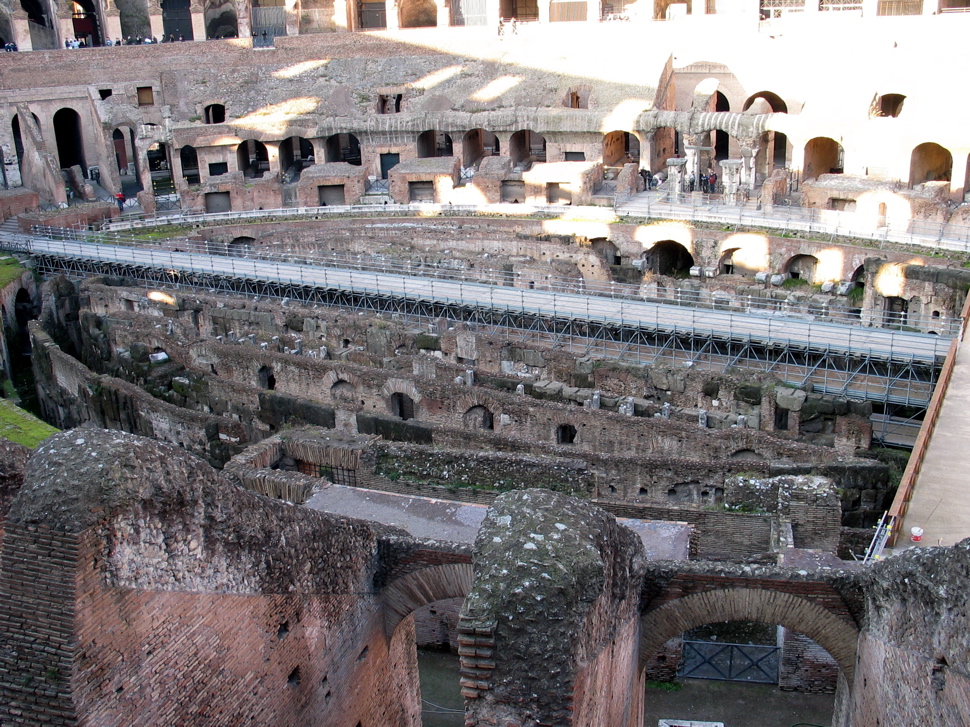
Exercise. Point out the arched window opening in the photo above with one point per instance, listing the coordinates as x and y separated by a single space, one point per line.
433 143
802 267
720 139
606 250
478 417
241 247
527 148
930 162
889 105
565 434
419 14
70 142
822 156
619 148
18 144
267 380
296 154
253 158
478 144
176 21
343 148
215 113
189 159
160 168
220 19
668 258
402 406
765 102
343 390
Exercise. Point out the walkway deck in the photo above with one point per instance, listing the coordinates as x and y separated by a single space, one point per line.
939 503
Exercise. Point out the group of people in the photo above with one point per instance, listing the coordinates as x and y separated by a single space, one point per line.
10 47
708 182
513 24
136 40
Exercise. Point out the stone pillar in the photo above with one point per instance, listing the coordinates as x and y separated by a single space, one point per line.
21 30
676 169
731 180
154 19
444 13
244 26
557 580
273 152
198 20
112 23
293 16
749 159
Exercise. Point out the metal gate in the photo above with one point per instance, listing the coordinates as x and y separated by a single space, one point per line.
468 12
730 662
177 19
267 23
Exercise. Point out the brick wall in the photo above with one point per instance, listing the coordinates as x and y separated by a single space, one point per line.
805 666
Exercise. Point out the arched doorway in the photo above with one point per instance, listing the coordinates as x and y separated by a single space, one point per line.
433 143
477 144
765 102
606 250
419 14
266 378
343 148
296 153
214 113
802 267
478 417
160 168
527 148
87 24
220 19
822 156
18 144
402 406
69 139
721 140
241 247
930 162
253 158
123 142
670 258
619 148
189 159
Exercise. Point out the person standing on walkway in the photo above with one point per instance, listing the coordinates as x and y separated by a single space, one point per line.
120 199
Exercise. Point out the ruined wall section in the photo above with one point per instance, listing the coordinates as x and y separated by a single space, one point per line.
914 653
132 571
13 461
556 580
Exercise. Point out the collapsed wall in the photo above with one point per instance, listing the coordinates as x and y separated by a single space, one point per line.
139 587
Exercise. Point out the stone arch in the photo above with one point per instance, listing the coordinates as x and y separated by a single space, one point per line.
478 144
241 246
725 265
214 113
802 267
747 454
342 385
342 148
888 105
831 632
620 147
404 595
822 156
478 417
606 250
266 379
668 257
478 410
402 398
930 162
775 104
432 143
296 154
253 158
69 139
189 159
159 156
527 147
418 14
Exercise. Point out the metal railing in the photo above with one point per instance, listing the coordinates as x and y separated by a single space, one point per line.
453 269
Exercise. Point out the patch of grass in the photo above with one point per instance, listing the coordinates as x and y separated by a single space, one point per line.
21 426
10 270
793 283
663 686
858 292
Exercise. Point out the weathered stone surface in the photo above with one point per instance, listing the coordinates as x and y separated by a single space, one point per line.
791 399
555 580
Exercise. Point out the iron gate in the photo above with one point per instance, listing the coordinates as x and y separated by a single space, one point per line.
730 662
267 23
